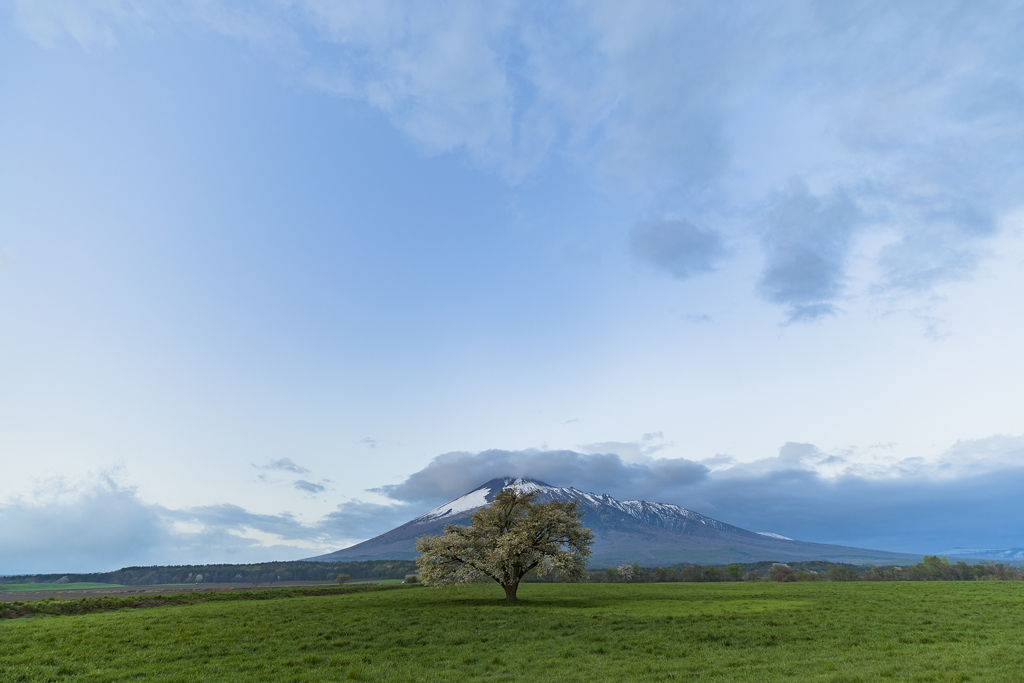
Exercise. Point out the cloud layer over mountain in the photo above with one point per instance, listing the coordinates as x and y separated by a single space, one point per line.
968 498
804 493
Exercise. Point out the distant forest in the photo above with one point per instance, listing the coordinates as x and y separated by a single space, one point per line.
264 573
933 568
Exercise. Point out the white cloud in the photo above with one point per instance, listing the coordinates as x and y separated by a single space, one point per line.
907 115
284 465
678 247
102 525
88 23
310 487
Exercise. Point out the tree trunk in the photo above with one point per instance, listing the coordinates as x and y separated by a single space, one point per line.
510 591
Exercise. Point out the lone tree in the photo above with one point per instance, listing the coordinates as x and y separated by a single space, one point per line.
505 540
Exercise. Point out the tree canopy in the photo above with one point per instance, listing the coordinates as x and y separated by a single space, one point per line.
507 539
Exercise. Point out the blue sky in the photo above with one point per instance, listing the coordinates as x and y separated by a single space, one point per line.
276 276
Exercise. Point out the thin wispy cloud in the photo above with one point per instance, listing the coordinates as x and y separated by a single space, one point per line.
283 465
309 487
640 450
946 247
677 247
806 245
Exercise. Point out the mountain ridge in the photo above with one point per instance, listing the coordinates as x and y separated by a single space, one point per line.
1006 554
625 531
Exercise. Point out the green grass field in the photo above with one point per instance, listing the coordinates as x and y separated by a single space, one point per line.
23 587
858 631
26 587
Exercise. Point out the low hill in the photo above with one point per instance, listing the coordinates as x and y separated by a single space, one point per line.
262 573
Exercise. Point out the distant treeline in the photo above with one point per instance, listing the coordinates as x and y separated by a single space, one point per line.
263 573
932 568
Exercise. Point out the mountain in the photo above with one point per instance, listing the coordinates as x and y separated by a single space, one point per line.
625 531
1013 555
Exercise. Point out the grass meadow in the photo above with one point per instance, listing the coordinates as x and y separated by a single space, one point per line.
857 631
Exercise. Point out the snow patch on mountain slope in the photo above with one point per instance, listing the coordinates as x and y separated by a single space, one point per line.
526 485
987 553
470 501
660 514
771 535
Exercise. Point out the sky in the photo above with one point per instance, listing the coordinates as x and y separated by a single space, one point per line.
277 276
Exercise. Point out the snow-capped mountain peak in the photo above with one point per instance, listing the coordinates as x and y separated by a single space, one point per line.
525 485
665 515
624 531
479 497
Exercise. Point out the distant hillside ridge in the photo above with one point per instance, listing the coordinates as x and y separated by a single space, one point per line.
256 573
1011 555
625 532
